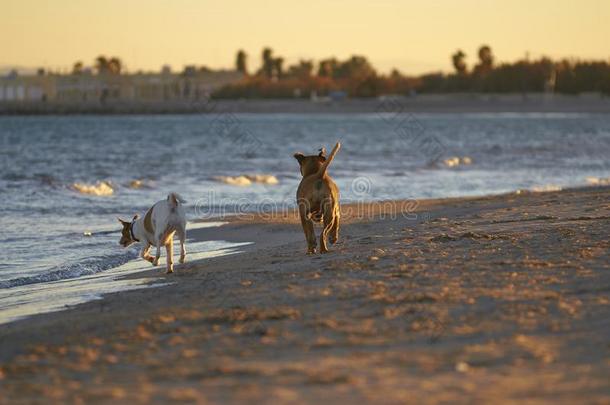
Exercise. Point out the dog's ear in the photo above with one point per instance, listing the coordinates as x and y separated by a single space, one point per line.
299 156
135 217
322 152
122 222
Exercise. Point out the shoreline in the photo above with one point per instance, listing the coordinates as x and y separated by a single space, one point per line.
210 230
486 298
424 103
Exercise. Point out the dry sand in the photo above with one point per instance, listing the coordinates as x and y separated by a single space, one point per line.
498 299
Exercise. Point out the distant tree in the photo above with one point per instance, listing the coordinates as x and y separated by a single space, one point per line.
459 62
303 69
77 69
115 66
189 71
104 65
486 57
356 67
278 66
486 61
101 64
357 77
326 67
268 63
240 62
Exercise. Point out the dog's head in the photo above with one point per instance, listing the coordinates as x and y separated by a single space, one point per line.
310 164
126 238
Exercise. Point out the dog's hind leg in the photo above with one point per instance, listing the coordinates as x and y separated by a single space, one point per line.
144 253
329 219
169 250
307 224
309 235
334 231
182 236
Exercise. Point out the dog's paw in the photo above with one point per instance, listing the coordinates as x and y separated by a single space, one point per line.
155 262
311 251
182 260
170 270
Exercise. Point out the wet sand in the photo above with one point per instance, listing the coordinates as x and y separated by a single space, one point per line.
498 299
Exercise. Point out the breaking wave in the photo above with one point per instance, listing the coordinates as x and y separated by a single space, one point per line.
598 181
73 270
248 179
457 161
140 184
101 188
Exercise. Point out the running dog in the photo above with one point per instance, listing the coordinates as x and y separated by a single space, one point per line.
318 199
157 228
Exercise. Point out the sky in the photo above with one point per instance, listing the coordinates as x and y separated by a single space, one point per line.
412 36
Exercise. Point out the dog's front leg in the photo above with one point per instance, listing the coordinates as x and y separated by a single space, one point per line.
182 236
144 253
157 255
169 251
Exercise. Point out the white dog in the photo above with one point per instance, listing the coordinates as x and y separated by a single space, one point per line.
157 228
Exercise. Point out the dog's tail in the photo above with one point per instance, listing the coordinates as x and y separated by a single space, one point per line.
322 169
174 199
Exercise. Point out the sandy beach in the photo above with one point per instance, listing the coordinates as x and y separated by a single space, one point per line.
497 299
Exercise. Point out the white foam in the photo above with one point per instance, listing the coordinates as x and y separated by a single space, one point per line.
598 181
457 161
545 188
101 188
248 179
137 184
200 225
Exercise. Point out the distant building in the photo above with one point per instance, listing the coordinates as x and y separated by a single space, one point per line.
34 88
85 87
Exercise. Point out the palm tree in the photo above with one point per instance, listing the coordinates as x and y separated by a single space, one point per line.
240 62
267 68
77 69
278 67
486 59
302 69
327 67
459 62
101 64
104 65
115 65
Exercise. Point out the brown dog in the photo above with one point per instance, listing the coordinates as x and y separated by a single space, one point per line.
318 199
